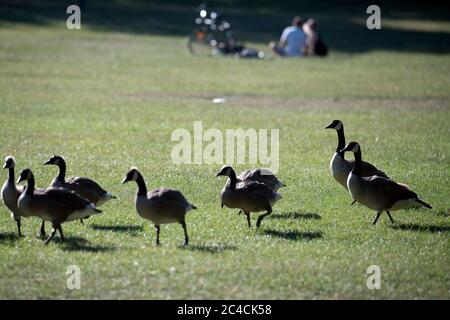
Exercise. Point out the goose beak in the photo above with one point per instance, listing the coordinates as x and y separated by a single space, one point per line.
5 166
125 180
330 126
46 162
346 149
20 179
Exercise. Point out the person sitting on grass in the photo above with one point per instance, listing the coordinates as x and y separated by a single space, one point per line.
292 41
314 44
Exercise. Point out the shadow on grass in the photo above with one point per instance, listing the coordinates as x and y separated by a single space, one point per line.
8 237
210 248
250 22
421 228
82 245
295 216
129 228
443 213
294 235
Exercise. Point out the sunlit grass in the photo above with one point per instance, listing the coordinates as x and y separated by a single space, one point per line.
108 101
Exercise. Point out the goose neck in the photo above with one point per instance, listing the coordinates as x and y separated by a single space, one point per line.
29 190
358 163
11 175
341 141
232 180
142 188
62 170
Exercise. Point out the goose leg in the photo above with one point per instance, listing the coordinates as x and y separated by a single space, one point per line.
248 219
157 234
354 201
61 233
42 230
50 237
240 212
376 218
18 227
186 237
390 217
81 221
261 217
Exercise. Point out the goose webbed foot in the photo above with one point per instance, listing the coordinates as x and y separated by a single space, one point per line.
261 217
390 217
61 233
376 218
186 237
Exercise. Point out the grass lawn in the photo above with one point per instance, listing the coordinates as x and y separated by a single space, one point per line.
107 99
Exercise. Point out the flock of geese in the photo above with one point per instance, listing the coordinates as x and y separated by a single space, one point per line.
254 190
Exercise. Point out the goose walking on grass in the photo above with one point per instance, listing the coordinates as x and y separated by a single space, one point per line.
53 204
160 206
248 197
10 194
340 167
264 176
85 187
379 193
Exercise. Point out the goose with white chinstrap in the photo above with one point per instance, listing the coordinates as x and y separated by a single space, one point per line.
249 197
85 187
264 176
340 167
10 194
160 206
53 204
379 193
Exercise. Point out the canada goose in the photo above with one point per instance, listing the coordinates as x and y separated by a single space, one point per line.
263 176
53 204
378 193
249 197
85 187
340 167
160 206
11 193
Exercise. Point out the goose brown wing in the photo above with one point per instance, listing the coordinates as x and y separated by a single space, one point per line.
169 196
368 170
66 197
269 179
390 190
88 184
256 190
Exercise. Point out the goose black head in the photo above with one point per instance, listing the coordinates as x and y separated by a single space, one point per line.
55 160
336 125
225 171
132 175
26 174
9 162
353 147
